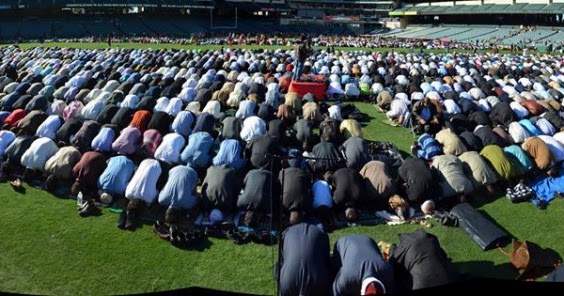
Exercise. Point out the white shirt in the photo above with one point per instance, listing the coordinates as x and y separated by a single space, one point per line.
174 106
35 157
519 110
143 185
49 127
335 112
130 101
517 133
398 107
92 109
252 126
559 136
322 194
545 127
451 107
170 148
555 147
161 104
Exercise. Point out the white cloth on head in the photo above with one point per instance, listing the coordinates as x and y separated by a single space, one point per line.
253 126
517 132
143 185
35 157
335 112
519 110
170 148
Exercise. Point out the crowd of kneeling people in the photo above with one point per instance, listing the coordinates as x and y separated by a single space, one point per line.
218 132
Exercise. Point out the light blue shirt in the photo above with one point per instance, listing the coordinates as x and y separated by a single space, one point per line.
6 138
49 127
116 176
197 152
178 191
230 154
182 123
103 141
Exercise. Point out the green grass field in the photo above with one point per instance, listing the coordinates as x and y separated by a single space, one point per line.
46 248
104 45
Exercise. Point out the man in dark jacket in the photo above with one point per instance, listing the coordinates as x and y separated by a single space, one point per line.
419 262
220 189
304 267
296 197
502 114
256 197
360 268
348 186
416 180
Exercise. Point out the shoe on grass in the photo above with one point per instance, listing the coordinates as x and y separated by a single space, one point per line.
121 220
130 221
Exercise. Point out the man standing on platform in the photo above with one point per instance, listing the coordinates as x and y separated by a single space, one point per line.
301 53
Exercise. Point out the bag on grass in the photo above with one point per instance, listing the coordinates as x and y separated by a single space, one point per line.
532 260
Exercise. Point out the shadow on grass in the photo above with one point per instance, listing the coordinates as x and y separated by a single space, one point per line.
485 269
481 199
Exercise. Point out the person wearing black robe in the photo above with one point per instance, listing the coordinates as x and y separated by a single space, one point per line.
488 137
146 103
256 197
304 133
479 117
467 106
260 150
502 114
116 97
416 180
329 131
107 114
348 186
204 96
82 140
419 262
14 153
296 196
205 122
266 112
359 267
22 102
471 142
305 264
458 123
122 117
220 189
355 150
68 129
326 158
160 121
30 123
231 128
277 131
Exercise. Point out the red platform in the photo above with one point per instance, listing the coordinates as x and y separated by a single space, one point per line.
301 88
